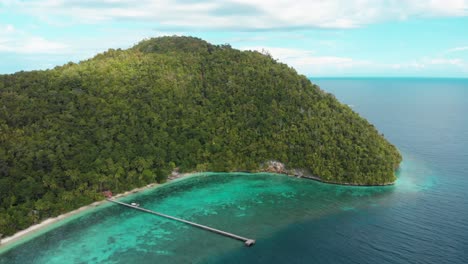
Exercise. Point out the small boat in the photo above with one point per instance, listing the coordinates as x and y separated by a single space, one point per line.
135 204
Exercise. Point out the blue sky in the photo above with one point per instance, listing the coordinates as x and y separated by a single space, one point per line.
413 38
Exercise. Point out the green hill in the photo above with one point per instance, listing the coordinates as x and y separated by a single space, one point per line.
126 118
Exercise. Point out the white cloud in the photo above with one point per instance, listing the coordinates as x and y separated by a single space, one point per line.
414 65
312 64
443 61
6 29
189 15
458 49
31 45
444 7
9 28
309 63
428 64
41 45
246 14
14 41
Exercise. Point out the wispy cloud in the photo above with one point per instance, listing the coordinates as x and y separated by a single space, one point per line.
458 49
16 41
8 29
241 14
425 63
444 61
309 63
32 45
312 64
62 29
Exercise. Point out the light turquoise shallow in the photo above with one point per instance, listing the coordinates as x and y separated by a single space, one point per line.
422 219
251 205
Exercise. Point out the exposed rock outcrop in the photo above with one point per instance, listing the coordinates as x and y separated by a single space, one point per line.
275 167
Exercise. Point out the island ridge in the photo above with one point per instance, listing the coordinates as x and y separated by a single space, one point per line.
126 118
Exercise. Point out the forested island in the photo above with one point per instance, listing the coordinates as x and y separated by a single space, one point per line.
126 118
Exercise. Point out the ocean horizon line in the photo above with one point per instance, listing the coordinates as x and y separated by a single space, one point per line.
387 77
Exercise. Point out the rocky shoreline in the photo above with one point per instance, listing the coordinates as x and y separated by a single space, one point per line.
279 167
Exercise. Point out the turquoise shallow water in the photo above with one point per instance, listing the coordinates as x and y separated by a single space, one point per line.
422 219
252 205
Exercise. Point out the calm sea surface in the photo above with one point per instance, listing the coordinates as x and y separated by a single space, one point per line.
422 219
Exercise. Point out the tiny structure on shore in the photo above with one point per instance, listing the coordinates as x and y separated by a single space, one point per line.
175 174
274 166
6 240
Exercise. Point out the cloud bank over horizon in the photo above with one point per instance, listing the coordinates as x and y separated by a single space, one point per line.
328 38
240 14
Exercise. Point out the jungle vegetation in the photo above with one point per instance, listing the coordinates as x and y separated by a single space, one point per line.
126 118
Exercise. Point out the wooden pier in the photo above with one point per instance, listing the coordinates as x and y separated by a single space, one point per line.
248 242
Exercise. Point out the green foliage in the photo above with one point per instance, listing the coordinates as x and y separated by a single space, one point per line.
128 117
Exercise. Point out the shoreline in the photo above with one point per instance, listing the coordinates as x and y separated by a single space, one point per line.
10 240
273 166
318 179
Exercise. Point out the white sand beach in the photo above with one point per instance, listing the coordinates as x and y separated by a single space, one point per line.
47 222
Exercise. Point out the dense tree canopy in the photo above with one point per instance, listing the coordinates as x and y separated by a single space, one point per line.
126 118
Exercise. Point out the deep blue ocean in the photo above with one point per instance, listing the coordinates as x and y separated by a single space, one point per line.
423 218
427 119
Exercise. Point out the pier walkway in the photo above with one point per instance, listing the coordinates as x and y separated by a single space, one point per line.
248 242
